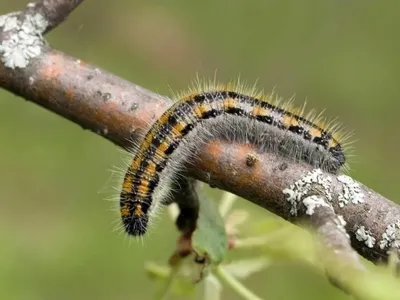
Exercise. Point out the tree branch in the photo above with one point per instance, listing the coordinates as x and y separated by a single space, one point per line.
120 111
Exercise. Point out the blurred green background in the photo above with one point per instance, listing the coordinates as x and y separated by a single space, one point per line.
55 227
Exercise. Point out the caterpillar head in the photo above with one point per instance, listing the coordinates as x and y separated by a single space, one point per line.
134 215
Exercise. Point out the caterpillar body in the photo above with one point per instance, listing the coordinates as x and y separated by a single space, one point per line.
229 112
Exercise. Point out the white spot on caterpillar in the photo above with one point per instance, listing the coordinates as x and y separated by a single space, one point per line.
17 49
366 236
302 187
391 236
351 191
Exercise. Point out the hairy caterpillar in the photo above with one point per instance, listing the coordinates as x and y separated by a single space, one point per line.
230 112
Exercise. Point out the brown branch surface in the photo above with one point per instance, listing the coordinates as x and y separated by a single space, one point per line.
222 164
54 11
334 238
86 95
328 227
120 111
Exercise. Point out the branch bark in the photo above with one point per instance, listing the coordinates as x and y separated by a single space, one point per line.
54 11
121 112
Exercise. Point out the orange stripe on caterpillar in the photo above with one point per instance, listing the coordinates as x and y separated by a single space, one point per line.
220 111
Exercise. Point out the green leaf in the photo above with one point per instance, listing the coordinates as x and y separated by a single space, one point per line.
210 239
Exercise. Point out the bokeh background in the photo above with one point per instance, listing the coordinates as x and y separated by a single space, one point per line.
56 238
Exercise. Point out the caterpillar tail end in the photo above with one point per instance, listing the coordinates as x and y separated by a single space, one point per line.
134 218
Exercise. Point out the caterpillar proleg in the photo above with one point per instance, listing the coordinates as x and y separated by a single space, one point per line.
231 112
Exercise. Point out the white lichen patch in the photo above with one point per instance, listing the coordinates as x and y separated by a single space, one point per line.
26 42
312 202
314 180
365 236
9 21
391 236
351 191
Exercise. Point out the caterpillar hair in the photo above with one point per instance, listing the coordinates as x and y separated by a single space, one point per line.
231 112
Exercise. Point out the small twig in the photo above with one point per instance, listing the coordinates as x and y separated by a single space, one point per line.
21 33
234 284
55 11
335 245
156 270
212 288
332 233
258 241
